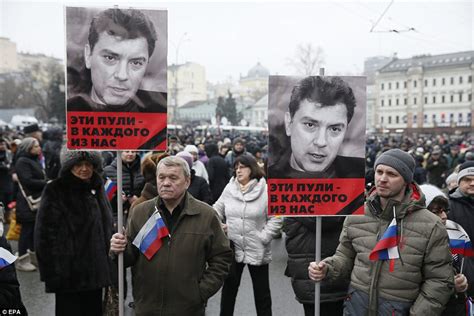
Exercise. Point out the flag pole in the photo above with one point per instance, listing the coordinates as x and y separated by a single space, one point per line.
462 264
119 229
317 285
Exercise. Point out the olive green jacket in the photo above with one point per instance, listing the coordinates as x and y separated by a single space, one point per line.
187 270
423 274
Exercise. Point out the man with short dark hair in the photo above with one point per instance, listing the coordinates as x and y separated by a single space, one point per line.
194 257
120 44
318 115
412 273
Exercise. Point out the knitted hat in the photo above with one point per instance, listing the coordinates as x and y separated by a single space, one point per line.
71 158
191 149
398 160
238 140
431 192
466 169
187 157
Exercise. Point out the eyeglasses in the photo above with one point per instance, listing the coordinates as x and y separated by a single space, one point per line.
439 210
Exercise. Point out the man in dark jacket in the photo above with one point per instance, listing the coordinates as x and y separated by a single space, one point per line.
461 204
132 179
217 170
194 258
436 167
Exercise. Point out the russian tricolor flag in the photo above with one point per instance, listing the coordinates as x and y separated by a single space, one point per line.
110 188
459 241
6 258
387 247
149 238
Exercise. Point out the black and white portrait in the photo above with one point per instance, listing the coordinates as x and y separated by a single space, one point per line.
317 127
116 60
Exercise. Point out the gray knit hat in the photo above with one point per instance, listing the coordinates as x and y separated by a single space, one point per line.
71 157
399 160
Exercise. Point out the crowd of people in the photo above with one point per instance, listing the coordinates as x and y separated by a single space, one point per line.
209 189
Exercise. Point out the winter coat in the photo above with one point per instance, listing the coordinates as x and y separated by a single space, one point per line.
218 175
72 235
300 245
248 224
462 212
436 171
423 275
187 270
132 180
199 188
10 296
33 180
6 183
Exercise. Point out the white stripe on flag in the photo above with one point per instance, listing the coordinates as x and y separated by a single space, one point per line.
393 253
7 255
149 224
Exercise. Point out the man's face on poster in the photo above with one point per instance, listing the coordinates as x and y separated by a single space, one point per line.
316 133
117 68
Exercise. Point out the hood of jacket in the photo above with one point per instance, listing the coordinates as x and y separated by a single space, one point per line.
254 191
414 200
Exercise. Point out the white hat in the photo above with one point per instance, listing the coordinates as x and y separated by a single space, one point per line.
191 149
431 192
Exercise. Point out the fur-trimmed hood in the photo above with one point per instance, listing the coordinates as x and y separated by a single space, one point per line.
71 157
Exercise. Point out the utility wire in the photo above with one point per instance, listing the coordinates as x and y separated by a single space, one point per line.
381 16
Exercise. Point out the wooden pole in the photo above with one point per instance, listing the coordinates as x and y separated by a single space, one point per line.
120 229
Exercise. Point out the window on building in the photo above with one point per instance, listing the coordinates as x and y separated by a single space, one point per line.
389 86
469 79
459 117
426 83
414 100
433 118
434 99
397 85
405 101
381 86
381 120
469 97
469 117
414 83
426 100
404 84
452 80
396 101
443 118
397 119
442 98
443 81
451 117
414 119
460 79
381 102
434 82
389 120
452 98
425 118
389 102
460 96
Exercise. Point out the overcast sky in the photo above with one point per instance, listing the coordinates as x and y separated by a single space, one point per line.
229 38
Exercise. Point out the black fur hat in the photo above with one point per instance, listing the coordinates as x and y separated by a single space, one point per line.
71 157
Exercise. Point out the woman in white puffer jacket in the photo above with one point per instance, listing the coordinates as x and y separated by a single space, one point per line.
242 208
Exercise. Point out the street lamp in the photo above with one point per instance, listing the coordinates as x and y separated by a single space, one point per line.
184 38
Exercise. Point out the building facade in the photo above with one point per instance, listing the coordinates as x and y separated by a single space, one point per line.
186 82
9 60
425 92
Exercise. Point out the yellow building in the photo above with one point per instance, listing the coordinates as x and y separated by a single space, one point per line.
186 82
255 84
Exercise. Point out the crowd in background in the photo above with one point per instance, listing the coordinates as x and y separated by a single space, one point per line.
31 158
